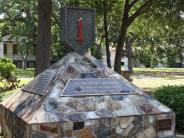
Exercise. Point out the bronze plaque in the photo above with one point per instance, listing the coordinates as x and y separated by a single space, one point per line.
164 124
95 86
40 83
51 128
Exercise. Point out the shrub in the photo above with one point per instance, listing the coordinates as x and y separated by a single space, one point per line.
7 79
173 97
6 68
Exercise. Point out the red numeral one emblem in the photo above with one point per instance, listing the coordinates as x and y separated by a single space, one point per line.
80 37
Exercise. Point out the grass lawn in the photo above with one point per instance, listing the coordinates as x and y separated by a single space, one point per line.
158 69
150 83
23 81
24 73
5 94
153 78
29 73
141 81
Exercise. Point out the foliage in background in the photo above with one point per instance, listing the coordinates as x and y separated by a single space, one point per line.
173 97
7 80
19 22
96 51
159 35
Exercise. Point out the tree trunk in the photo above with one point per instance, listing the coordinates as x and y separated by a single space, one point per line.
130 53
44 35
106 36
129 56
121 40
24 63
126 22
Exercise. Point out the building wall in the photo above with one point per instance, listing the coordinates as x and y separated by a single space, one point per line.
124 60
17 58
9 48
1 49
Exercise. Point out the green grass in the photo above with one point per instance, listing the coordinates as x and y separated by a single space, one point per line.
153 78
29 73
147 83
5 94
158 69
24 73
23 81
150 83
153 83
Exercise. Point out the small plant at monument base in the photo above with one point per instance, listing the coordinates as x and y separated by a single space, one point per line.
7 80
173 97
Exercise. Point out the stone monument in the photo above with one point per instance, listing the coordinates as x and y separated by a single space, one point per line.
79 97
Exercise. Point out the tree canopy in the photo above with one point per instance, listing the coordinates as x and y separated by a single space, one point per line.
150 32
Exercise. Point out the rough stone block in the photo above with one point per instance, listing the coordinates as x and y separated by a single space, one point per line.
149 132
84 133
126 121
127 130
69 133
67 125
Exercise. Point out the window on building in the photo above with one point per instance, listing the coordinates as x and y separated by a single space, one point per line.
18 63
30 64
5 48
122 63
15 49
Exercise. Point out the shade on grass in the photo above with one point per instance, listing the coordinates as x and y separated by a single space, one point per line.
24 73
158 69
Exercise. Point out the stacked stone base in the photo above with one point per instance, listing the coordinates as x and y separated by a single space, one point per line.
128 127
122 127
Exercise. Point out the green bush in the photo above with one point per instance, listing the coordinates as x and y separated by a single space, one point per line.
8 81
173 97
6 68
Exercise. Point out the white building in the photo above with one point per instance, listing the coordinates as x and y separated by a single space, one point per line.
9 49
124 60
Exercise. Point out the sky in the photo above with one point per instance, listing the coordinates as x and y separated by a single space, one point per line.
2 16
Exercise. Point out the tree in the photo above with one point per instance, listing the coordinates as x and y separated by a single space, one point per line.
159 34
44 35
127 20
19 22
106 34
103 9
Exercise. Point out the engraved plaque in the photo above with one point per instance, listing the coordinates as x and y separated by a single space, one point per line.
95 86
40 83
164 124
